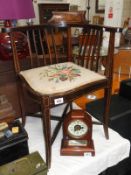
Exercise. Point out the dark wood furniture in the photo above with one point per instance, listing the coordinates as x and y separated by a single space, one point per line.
122 61
46 9
8 80
42 54
98 20
8 87
77 134
71 17
100 6
7 113
68 17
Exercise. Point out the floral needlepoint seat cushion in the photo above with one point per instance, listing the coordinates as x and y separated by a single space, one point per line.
59 78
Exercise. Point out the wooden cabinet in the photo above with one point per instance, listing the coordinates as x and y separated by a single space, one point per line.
8 84
122 62
8 87
45 10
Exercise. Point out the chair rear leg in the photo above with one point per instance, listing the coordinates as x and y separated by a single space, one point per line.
107 100
46 120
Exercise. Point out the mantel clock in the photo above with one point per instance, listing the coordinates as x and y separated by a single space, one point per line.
77 134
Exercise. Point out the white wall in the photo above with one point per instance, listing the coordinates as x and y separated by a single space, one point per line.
113 13
81 3
113 17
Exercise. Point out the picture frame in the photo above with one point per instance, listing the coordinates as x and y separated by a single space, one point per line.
100 6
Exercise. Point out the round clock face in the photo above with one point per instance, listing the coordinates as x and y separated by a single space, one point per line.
77 128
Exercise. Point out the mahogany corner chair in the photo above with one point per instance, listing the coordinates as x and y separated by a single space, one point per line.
52 79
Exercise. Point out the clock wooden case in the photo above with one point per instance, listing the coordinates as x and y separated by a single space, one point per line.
77 134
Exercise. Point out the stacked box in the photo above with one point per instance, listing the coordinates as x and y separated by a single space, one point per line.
15 146
31 164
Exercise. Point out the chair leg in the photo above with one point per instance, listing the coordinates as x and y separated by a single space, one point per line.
21 101
46 128
59 124
107 98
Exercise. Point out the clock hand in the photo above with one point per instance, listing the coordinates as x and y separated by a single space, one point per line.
77 127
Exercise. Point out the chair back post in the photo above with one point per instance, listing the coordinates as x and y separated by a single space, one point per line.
69 44
109 70
14 51
111 49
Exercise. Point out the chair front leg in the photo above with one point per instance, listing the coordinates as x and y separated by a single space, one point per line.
107 101
45 108
20 93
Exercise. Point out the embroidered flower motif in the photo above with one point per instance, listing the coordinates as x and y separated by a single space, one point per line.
61 73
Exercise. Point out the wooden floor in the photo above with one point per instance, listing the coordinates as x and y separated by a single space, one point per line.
115 88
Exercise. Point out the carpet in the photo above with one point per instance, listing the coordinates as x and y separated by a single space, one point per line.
119 120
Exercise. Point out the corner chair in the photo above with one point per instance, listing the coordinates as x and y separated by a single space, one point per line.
51 80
